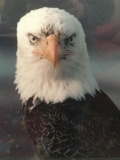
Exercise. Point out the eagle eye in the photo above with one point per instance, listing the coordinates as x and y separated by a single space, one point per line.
70 40
33 39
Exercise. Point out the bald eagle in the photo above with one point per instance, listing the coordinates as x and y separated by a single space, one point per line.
65 113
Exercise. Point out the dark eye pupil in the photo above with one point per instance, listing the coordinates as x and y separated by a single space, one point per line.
71 38
33 38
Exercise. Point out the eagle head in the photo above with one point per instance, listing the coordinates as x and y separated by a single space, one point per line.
52 59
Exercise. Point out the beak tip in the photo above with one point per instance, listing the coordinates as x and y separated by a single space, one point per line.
54 64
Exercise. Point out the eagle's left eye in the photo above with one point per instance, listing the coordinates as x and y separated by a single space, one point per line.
33 39
70 40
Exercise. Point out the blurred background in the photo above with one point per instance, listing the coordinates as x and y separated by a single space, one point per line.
104 49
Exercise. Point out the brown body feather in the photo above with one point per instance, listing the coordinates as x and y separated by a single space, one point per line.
74 129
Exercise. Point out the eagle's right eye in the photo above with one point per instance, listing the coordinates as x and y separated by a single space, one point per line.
33 39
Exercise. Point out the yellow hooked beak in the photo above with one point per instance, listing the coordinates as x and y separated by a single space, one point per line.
50 49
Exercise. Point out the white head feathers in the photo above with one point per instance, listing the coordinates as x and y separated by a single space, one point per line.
35 76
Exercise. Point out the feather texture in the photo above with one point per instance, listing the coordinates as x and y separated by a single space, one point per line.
74 128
